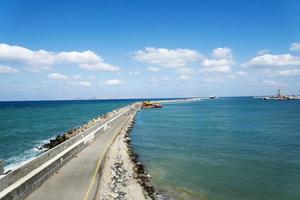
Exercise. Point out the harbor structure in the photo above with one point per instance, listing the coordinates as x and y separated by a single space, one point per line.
280 96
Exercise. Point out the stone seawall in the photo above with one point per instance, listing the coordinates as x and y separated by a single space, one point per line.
21 182
122 175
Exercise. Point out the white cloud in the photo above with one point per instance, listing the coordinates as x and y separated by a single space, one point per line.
153 80
8 70
57 76
269 60
231 76
242 73
221 61
77 77
43 60
113 82
75 80
99 67
25 56
184 77
295 46
222 65
207 80
153 69
165 78
287 72
161 80
216 79
221 53
85 84
134 73
86 57
80 83
170 58
186 71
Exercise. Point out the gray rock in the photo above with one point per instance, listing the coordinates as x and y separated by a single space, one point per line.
114 195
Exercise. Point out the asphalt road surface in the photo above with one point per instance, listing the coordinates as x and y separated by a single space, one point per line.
78 179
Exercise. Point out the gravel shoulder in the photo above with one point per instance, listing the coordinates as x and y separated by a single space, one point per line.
120 175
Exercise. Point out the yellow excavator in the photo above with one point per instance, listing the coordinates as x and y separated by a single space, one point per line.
148 104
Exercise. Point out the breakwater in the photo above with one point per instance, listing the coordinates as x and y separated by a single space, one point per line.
20 183
122 176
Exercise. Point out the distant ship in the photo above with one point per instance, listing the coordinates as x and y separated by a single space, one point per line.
280 96
212 97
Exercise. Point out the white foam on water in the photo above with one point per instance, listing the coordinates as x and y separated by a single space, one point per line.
18 161
26 156
161 197
16 165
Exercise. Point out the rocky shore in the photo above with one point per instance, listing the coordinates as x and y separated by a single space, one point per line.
122 176
75 131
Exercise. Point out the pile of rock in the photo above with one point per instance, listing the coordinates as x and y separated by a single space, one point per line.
118 181
140 174
73 132
122 176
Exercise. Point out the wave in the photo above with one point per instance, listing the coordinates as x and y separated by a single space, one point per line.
27 156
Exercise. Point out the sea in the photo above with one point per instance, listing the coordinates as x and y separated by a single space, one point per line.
240 148
222 149
26 125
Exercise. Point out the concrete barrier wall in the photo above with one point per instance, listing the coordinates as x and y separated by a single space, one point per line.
27 186
1 167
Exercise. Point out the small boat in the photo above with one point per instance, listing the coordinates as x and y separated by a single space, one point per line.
212 97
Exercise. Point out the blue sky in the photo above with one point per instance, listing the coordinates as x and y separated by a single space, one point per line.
126 49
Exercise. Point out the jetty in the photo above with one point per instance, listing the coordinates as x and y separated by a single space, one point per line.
71 169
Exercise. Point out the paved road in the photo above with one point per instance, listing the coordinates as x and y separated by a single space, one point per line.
78 179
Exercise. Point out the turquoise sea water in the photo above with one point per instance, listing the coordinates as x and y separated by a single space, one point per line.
26 125
222 149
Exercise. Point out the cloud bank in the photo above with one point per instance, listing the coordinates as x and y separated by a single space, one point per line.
8 70
44 60
58 76
153 69
221 60
169 58
295 46
269 60
70 80
113 82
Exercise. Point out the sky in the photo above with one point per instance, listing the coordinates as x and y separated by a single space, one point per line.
138 49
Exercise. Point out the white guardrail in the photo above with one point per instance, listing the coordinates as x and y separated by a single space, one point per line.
15 179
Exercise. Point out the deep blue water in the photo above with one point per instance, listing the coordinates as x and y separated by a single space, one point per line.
222 149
